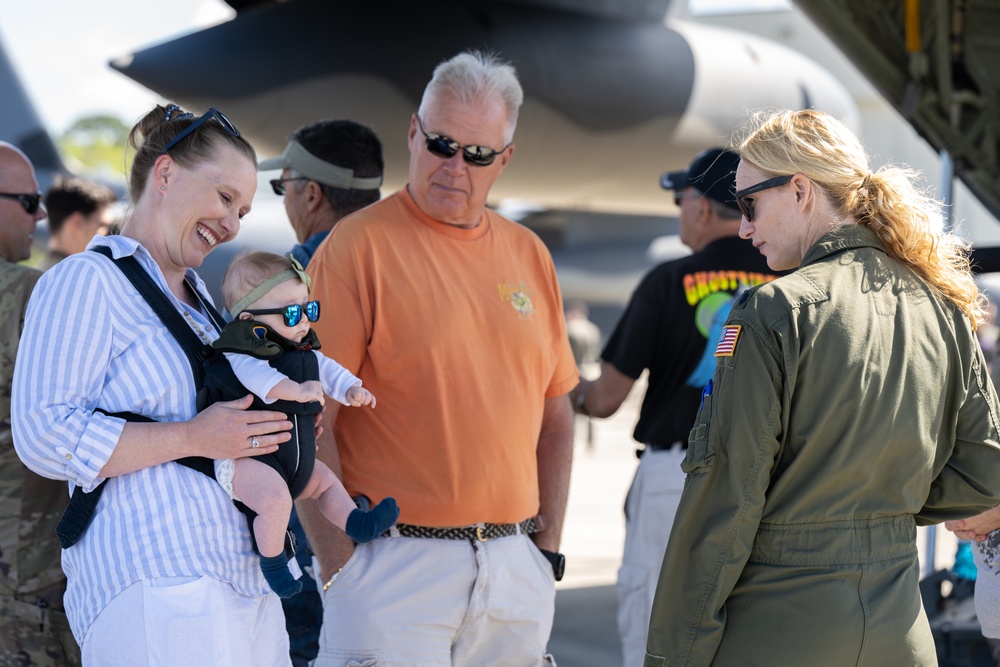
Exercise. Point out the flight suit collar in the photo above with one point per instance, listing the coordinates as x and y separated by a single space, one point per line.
839 239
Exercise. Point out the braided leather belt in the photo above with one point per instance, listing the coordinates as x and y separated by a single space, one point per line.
479 533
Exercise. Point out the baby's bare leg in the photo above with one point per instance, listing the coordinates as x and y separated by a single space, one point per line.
262 489
334 502
341 511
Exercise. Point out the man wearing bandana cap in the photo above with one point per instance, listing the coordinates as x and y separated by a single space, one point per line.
329 169
670 327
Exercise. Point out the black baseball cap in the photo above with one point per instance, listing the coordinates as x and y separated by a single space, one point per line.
712 172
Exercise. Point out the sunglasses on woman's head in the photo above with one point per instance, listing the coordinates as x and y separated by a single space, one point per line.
292 313
446 147
212 112
29 202
745 203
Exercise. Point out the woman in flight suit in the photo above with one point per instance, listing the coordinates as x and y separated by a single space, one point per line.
850 403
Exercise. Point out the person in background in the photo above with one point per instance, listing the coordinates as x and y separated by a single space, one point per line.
584 335
850 403
452 316
329 169
585 341
667 329
32 583
984 532
105 398
78 210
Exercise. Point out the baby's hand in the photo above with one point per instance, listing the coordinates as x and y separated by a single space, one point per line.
358 396
311 390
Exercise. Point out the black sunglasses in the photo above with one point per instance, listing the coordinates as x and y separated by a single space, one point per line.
292 313
680 196
212 112
29 202
446 147
745 203
278 184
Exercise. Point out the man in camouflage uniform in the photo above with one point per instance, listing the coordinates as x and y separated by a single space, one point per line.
33 626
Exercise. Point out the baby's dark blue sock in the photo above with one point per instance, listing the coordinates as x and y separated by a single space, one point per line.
366 526
278 576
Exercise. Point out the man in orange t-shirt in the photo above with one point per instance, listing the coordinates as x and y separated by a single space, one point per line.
451 314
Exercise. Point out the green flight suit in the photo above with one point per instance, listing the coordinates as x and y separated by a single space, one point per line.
855 405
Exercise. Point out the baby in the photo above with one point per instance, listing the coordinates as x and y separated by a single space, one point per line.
275 356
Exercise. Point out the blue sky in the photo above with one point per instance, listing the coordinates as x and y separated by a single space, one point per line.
61 50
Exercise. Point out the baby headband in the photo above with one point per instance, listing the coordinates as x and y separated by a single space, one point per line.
288 274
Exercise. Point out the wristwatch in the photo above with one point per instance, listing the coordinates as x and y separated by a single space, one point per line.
557 561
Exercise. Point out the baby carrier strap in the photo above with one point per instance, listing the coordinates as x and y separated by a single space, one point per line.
82 505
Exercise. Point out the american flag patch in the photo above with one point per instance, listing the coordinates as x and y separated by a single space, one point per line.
727 342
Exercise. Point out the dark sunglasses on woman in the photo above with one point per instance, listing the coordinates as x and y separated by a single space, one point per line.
212 112
745 202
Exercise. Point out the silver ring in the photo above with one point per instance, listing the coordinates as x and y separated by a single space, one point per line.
255 443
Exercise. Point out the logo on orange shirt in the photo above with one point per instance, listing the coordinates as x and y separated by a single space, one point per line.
519 297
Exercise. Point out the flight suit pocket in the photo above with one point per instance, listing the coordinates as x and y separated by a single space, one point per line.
698 458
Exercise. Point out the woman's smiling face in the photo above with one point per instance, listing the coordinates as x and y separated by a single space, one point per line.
204 204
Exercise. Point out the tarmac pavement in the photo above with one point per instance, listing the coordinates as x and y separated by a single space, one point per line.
585 632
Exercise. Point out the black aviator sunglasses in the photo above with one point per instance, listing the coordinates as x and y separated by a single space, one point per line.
745 203
278 184
446 147
292 313
29 202
212 112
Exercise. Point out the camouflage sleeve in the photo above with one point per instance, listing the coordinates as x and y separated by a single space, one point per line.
16 283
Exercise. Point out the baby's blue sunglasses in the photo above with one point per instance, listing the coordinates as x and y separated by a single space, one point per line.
292 313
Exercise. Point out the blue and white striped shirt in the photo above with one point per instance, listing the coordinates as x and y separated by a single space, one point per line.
90 340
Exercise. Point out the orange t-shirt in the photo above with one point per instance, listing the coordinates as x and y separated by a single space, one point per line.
459 334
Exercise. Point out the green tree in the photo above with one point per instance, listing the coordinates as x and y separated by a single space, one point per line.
95 146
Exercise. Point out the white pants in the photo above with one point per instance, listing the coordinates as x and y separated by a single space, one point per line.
650 507
407 601
987 596
189 621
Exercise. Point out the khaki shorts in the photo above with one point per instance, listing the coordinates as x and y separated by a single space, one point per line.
403 601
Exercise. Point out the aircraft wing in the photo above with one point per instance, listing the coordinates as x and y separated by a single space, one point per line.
609 103
21 126
938 64
621 9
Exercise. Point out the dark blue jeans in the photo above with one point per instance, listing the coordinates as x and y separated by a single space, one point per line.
304 610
